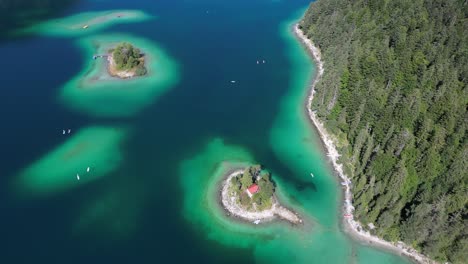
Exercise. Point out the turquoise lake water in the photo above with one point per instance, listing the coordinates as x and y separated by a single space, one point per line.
150 193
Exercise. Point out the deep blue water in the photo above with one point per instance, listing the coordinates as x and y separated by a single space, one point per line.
211 49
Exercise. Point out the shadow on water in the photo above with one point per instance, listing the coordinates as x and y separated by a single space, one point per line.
16 14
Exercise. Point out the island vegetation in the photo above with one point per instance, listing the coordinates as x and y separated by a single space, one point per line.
127 61
394 94
249 194
253 189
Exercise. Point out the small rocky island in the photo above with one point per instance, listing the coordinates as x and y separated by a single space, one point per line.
126 61
250 195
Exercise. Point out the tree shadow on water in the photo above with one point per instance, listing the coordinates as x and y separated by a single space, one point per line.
17 14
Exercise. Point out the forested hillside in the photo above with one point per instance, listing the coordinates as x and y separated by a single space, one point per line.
394 93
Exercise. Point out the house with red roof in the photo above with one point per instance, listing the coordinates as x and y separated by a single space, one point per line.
253 189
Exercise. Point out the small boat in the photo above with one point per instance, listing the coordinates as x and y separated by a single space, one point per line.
85 26
63 132
69 130
344 183
348 215
311 174
87 170
263 61
233 81
258 62
77 176
257 221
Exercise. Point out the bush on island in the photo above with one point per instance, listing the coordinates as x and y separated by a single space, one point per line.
127 57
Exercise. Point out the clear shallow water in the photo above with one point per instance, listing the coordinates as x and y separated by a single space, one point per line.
149 209
95 93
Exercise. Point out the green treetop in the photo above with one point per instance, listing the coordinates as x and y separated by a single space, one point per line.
263 198
254 174
127 57
246 179
394 94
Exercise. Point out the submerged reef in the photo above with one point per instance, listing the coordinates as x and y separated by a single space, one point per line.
88 155
85 23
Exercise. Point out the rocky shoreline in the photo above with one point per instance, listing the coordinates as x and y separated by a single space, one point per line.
229 204
351 226
112 69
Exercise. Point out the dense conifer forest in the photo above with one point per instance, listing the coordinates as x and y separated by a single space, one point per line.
394 94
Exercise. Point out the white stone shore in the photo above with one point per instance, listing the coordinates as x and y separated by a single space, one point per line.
351 226
277 211
112 69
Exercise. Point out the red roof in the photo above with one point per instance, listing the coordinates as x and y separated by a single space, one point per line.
253 188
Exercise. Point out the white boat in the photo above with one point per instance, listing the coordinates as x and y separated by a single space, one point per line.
63 132
258 62
78 177
263 61
344 183
87 170
311 174
69 130
257 221
233 81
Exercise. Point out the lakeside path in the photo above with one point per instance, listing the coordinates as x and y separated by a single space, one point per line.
276 211
351 226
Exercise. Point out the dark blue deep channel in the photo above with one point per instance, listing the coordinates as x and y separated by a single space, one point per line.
134 213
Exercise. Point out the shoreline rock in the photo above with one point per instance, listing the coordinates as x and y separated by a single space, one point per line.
351 226
277 210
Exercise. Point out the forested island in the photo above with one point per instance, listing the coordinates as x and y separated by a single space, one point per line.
126 61
394 95
253 189
250 195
